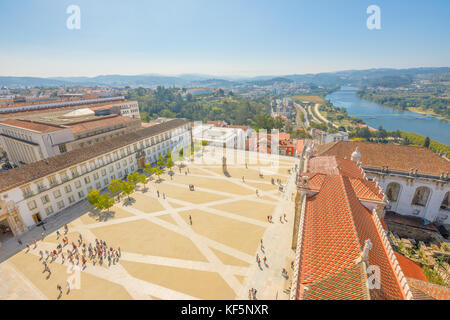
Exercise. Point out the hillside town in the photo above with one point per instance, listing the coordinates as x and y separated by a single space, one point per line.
359 210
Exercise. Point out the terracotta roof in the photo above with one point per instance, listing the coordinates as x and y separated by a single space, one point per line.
429 289
245 128
334 165
410 268
336 227
377 155
319 167
300 143
24 174
330 242
92 124
32 125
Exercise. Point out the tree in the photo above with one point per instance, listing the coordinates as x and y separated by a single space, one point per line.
158 172
133 177
105 202
115 187
161 163
93 197
149 170
181 155
127 188
143 179
426 143
169 163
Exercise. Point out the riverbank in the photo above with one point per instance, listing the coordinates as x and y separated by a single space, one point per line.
427 112
376 115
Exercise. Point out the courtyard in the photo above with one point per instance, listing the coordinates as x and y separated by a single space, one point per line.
163 255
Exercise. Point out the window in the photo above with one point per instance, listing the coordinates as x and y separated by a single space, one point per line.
74 172
445 202
80 194
103 172
71 199
41 186
57 194
87 180
77 184
62 148
106 182
392 191
98 185
32 205
45 199
49 210
118 165
60 204
68 188
111 169
64 176
95 176
26 191
52 181
421 196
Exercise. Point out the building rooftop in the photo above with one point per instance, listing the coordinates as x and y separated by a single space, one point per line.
58 111
106 121
336 226
396 157
32 125
410 268
27 173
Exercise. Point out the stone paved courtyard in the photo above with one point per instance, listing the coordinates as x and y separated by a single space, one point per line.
163 256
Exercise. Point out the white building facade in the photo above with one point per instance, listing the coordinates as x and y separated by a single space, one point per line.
414 194
29 203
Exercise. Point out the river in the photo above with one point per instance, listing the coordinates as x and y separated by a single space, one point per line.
376 115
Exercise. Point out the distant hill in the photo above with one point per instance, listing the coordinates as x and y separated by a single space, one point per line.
351 77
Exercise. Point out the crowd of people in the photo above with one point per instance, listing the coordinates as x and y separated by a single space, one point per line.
78 253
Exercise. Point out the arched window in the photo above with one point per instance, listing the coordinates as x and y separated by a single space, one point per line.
392 191
446 202
421 196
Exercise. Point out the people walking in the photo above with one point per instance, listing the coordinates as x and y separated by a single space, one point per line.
190 220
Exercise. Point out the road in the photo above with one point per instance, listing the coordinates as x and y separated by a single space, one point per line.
319 115
312 115
299 109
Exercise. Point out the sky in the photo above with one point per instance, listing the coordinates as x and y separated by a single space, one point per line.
223 38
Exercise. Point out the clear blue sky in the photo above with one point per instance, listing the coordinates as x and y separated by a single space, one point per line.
232 37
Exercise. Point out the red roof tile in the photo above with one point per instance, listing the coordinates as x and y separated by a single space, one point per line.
396 157
32 125
336 226
410 268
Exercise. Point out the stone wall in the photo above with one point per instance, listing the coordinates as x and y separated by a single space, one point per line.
405 231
